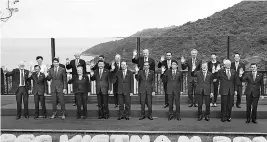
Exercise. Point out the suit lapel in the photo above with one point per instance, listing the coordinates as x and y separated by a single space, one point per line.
201 74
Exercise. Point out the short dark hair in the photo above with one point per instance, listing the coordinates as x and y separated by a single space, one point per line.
253 64
100 61
101 56
39 57
174 61
55 59
37 66
169 52
213 54
80 66
236 53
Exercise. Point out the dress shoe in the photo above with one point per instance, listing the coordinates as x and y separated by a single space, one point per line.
254 121
223 119
18 117
190 105
35 117
120 118
26 116
106 117
195 105
116 105
63 117
45 116
141 118
127 118
200 118
207 118
78 117
83 117
166 106
229 119
53 116
248 121
150 117
170 118
179 118
100 117
214 105
238 106
74 104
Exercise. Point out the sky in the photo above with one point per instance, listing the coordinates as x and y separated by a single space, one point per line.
79 24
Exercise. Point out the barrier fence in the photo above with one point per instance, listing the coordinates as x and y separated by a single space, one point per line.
158 85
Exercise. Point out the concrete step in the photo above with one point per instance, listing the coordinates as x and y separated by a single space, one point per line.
158 99
158 110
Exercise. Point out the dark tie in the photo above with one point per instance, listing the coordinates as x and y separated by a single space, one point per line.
204 74
254 76
173 74
228 74
146 74
101 73
22 83
55 72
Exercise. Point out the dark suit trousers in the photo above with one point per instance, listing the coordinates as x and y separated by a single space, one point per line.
146 97
172 97
215 87
239 94
124 99
60 96
81 99
39 98
251 100
22 93
116 98
200 99
191 92
166 95
226 105
102 101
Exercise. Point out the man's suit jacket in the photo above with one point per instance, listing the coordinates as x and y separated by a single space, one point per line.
140 63
204 85
173 83
188 64
115 84
39 83
59 80
106 66
125 86
72 66
80 86
146 84
255 87
227 86
240 65
103 84
210 66
16 79
165 64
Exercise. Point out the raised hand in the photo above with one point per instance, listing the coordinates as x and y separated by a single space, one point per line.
67 61
162 58
136 69
134 53
182 59
30 74
113 65
241 71
163 69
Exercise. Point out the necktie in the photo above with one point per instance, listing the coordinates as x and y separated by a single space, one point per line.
173 74
236 66
55 71
124 74
118 65
254 76
38 75
146 74
228 74
194 64
77 62
101 73
22 79
204 74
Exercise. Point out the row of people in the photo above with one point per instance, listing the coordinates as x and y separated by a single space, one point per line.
58 86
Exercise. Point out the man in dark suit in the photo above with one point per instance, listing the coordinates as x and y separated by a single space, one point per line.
117 66
146 89
173 79
227 78
254 89
38 90
58 86
106 65
61 65
103 85
193 64
237 66
125 89
145 58
213 67
20 86
204 90
2 81
73 64
167 64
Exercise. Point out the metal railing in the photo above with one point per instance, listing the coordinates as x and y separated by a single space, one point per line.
158 85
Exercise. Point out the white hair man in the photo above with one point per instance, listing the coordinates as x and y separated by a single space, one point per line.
193 64
115 67
227 78
145 58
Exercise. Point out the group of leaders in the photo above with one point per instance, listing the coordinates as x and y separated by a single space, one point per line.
203 80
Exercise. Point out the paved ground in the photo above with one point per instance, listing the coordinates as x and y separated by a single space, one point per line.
159 124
